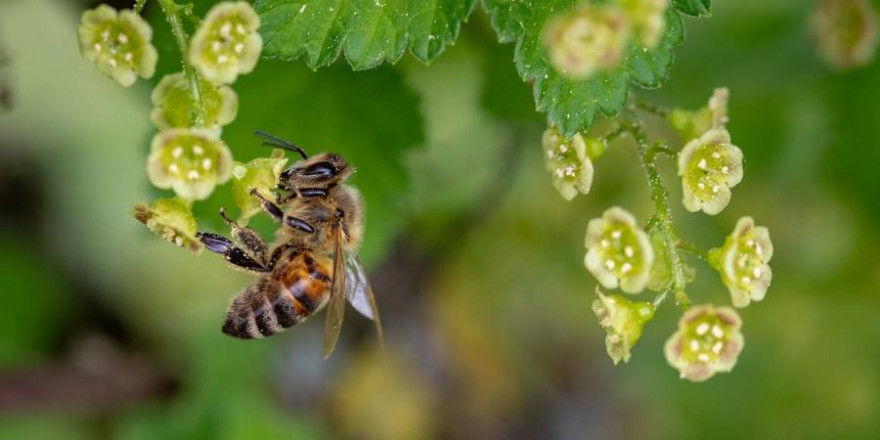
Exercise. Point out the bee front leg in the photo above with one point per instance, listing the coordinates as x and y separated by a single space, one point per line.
275 212
234 255
249 238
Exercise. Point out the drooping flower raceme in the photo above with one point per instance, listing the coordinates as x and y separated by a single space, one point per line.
845 32
172 220
618 252
647 19
189 161
119 43
260 174
568 162
174 105
588 40
708 341
623 320
227 43
709 167
743 262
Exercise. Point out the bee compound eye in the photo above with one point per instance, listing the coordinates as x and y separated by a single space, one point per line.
320 169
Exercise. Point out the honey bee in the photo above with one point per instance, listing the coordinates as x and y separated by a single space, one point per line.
314 262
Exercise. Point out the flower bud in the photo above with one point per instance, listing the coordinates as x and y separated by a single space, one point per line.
568 162
623 320
692 124
709 167
743 262
261 174
172 220
118 43
708 341
587 40
618 252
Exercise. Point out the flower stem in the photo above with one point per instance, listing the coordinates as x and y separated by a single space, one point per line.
172 15
692 249
648 156
649 107
139 6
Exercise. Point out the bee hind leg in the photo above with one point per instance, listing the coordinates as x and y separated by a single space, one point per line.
234 254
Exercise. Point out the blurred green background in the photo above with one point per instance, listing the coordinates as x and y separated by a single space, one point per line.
108 332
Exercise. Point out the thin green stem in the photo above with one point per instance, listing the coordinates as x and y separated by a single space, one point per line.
139 6
615 132
692 249
172 12
664 213
649 107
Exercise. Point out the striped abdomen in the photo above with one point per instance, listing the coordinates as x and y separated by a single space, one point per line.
289 295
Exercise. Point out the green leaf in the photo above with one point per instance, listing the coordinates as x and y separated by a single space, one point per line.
697 8
571 105
369 32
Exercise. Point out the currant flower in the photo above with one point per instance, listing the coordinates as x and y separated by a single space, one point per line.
118 43
647 18
743 261
189 161
261 174
708 341
623 320
845 32
709 167
174 105
227 43
692 124
569 163
171 219
587 40
618 252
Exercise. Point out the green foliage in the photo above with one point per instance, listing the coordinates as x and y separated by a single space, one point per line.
697 8
570 105
368 32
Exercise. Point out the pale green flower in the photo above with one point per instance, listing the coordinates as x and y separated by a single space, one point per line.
708 341
118 43
227 43
618 252
623 320
845 32
174 105
647 18
587 40
568 163
743 262
189 161
172 220
261 174
709 167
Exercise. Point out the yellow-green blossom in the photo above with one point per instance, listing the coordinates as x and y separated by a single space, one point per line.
587 40
189 161
227 43
845 32
618 252
709 167
174 105
708 341
692 124
647 19
118 43
172 220
261 174
623 320
568 163
743 262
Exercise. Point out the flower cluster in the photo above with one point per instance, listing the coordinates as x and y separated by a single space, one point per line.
708 341
569 162
618 252
743 262
119 43
623 320
594 38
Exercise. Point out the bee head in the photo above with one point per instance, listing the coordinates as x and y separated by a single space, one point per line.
318 170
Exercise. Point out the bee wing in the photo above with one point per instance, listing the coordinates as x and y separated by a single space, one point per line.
359 292
336 307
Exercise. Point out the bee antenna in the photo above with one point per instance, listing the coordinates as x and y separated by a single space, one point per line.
275 141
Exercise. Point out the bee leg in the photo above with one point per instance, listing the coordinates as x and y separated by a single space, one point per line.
248 237
235 255
275 212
